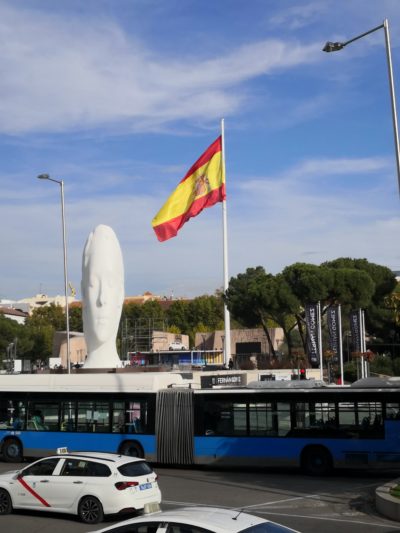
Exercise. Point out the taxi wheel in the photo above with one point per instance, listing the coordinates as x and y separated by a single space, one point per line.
12 451
90 510
5 502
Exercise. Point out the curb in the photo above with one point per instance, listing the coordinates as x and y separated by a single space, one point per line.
386 504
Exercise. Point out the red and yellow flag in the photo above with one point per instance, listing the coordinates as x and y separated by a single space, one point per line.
203 186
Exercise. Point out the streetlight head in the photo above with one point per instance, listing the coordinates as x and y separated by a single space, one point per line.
43 177
332 47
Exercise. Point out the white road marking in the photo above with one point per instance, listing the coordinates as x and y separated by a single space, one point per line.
286 515
316 496
341 520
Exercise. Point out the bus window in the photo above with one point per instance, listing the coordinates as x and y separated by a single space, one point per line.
239 419
302 418
282 418
225 421
392 411
314 419
370 419
130 417
5 419
43 416
347 417
225 418
93 417
67 419
322 415
137 417
211 418
260 419
118 417
12 414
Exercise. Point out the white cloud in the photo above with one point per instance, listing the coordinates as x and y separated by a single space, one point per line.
63 73
74 73
273 221
302 176
298 16
309 213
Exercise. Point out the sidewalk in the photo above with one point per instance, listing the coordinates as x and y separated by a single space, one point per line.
387 504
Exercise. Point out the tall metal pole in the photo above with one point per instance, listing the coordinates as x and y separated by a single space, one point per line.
61 183
334 47
65 276
392 97
227 317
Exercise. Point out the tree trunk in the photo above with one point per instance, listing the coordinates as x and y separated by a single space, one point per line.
301 332
288 341
271 346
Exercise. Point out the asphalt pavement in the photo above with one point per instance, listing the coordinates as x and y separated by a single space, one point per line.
344 500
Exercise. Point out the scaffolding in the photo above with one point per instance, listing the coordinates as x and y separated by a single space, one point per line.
138 335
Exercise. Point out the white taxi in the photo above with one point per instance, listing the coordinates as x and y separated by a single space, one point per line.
88 484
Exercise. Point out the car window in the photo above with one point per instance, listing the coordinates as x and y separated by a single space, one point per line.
267 527
81 467
98 469
41 468
137 468
185 528
137 528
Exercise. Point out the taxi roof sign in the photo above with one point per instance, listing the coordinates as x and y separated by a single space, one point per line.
60 451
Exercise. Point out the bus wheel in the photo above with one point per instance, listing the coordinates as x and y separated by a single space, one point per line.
5 502
316 461
133 449
12 451
90 510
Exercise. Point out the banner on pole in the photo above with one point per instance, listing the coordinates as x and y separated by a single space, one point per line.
355 328
333 321
311 313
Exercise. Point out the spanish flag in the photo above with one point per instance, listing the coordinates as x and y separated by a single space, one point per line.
203 186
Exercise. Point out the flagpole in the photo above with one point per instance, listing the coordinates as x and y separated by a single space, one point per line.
227 318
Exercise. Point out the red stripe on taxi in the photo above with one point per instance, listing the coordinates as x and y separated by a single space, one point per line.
34 493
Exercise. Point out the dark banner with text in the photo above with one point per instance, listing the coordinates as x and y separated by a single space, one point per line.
333 321
311 311
355 328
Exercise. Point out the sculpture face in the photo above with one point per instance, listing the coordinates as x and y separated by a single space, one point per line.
102 287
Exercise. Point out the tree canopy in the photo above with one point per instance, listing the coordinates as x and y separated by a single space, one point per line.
255 297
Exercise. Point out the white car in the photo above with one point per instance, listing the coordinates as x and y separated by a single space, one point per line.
198 520
87 484
177 345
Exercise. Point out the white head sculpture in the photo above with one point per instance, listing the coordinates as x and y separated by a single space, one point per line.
102 296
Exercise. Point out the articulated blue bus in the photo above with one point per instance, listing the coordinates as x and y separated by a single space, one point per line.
160 417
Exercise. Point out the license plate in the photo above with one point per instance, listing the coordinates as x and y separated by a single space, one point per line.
145 486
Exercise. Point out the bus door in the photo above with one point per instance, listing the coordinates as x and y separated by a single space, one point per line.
174 426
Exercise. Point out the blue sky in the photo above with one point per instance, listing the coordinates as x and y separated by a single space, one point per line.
119 97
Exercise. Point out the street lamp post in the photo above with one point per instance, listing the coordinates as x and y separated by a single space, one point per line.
334 47
61 183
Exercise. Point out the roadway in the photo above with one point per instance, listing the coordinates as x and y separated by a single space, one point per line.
345 500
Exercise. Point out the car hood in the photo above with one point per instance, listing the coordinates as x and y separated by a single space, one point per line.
8 474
